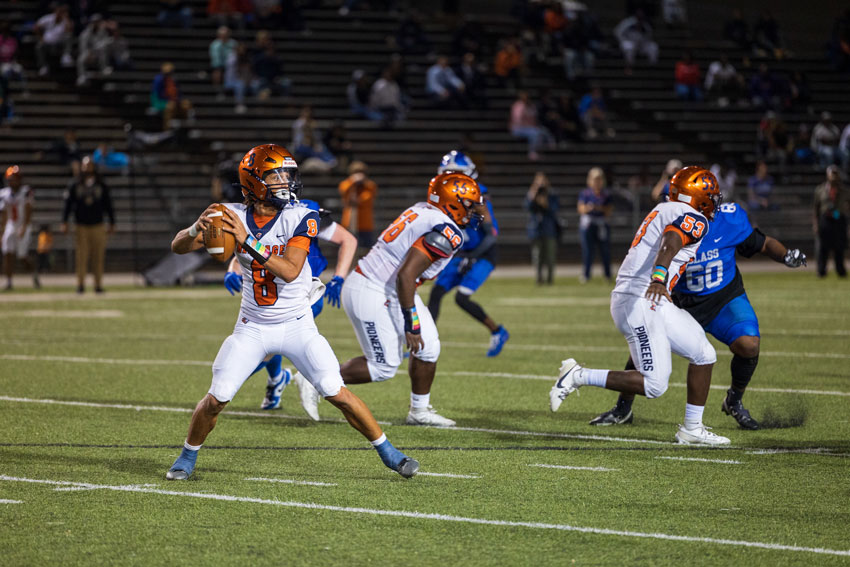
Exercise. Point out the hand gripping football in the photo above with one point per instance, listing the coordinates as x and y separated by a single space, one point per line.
219 244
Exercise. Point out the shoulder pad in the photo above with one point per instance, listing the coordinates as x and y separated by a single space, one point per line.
438 243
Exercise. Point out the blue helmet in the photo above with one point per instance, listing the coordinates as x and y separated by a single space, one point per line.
459 162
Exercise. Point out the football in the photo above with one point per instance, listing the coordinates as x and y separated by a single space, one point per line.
219 244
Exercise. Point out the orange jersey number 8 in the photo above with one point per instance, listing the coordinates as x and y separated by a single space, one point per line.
392 231
312 227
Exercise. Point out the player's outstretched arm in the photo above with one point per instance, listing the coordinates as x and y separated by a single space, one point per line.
192 238
775 250
671 243
414 264
347 243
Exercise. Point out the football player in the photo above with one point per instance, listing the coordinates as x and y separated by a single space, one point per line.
16 204
641 307
274 242
329 231
380 296
712 291
471 267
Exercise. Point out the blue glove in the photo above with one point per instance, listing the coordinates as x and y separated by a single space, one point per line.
233 282
333 289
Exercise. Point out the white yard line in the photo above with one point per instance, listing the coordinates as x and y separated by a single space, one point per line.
3 501
447 475
444 517
289 481
65 313
697 459
572 468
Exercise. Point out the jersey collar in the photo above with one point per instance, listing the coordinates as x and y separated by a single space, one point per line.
256 231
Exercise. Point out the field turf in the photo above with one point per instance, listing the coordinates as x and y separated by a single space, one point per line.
95 395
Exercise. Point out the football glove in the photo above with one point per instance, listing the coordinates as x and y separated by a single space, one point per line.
794 258
333 289
233 282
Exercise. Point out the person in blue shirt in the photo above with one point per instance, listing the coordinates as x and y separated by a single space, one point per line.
712 291
471 267
595 205
329 231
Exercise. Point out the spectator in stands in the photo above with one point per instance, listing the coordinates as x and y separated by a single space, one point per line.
766 36
760 188
737 30
844 147
475 84
688 79
674 12
310 152
106 158
65 150
727 177
358 194
174 14
635 36
803 145
723 82
799 92
9 66
661 189
268 69
357 92
337 142
443 86
167 99
524 124
831 210
230 12
119 49
398 68
581 41
594 114
55 34
239 76
89 199
508 65
410 37
544 229
571 127
764 89
774 142
548 115
385 99
220 48
825 141
595 205
94 46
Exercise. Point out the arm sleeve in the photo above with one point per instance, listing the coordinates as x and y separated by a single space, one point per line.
752 245
327 229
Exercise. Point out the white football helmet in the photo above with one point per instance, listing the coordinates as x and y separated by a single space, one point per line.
459 162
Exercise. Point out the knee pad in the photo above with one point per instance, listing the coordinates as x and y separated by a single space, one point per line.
430 353
654 386
706 355
381 372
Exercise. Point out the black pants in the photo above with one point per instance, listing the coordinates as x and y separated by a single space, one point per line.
832 239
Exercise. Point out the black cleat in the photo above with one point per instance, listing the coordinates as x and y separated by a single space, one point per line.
740 413
613 417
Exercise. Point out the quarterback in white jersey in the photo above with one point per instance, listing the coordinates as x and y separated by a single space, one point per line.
664 245
380 296
16 205
273 241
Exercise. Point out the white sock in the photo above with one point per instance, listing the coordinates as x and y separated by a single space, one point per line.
192 447
693 416
419 401
592 377
379 440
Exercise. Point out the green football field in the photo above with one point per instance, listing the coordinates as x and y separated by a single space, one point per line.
96 394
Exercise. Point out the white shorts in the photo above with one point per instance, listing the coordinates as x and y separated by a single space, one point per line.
14 244
379 326
297 339
653 331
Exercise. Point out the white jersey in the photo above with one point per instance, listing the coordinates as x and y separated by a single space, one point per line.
636 270
268 299
383 261
14 205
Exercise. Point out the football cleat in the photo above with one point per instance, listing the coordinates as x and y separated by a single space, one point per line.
408 467
310 397
497 341
275 389
740 413
613 417
183 466
700 435
427 416
565 384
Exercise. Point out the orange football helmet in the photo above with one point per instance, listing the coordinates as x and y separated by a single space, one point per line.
696 186
269 173
456 195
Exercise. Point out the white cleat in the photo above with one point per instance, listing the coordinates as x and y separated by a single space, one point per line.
309 396
699 436
565 385
427 416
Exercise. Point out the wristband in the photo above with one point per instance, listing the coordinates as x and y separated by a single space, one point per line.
411 320
659 275
193 230
256 249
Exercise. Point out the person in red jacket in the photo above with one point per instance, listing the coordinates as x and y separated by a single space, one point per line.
688 79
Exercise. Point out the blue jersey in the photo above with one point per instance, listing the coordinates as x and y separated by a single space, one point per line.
315 258
472 237
714 265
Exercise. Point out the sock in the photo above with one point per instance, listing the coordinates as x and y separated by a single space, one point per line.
192 447
186 460
742 372
390 456
592 377
624 404
734 395
273 366
693 416
464 302
259 367
419 401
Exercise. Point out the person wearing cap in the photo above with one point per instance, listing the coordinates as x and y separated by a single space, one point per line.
825 138
167 98
661 189
16 204
358 194
595 205
89 199
831 209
